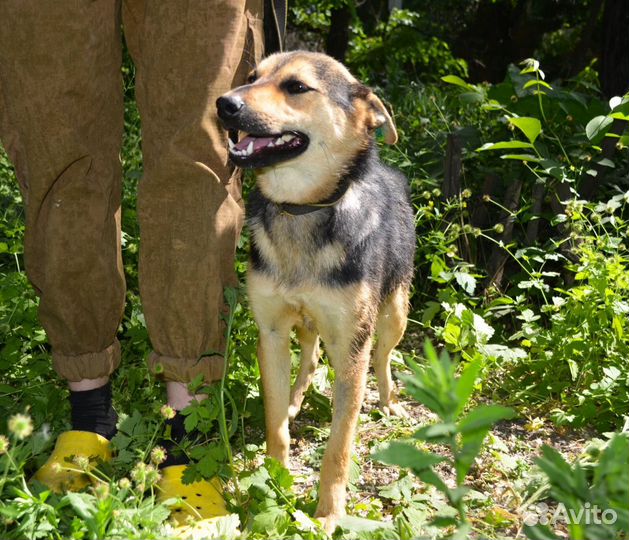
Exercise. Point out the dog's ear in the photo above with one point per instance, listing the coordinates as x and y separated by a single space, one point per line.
380 119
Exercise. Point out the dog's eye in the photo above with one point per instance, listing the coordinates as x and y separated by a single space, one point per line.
295 87
252 78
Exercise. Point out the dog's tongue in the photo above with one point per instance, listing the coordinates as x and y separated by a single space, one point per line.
258 142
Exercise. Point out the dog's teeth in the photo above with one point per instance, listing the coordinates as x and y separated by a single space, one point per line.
270 145
279 141
249 150
230 143
288 137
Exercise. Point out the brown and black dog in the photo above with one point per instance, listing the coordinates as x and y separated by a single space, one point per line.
333 242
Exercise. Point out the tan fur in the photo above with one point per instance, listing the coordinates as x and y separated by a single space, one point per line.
309 343
290 295
390 329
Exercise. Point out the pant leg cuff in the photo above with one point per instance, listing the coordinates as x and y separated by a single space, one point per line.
89 365
186 369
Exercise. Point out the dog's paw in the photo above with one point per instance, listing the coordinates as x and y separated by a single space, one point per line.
395 409
293 411
328 523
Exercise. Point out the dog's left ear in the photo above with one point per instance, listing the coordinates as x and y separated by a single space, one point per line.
379 118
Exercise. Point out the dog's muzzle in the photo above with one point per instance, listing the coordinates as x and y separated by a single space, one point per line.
259 146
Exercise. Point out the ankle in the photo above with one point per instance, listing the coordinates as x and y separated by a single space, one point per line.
92 411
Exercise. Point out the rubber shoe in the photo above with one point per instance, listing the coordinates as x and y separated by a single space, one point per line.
60 474
197 501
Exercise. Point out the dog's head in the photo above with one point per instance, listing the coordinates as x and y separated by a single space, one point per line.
301 119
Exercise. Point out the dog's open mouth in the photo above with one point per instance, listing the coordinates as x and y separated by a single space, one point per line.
257 151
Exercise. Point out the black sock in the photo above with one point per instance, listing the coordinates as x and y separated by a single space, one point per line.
174 454
92 411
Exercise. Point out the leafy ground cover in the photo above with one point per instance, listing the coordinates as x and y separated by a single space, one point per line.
521 197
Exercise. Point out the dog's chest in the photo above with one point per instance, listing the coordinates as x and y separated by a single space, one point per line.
294 250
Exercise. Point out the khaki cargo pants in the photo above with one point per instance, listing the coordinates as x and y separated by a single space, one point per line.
61 122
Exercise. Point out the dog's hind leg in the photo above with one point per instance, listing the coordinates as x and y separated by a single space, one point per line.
309 343
390 328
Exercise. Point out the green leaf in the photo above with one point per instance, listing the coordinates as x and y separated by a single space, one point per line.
605 162
504 145
429 476
423 395
597 126
531 127
452 333
208 466
436 267
453 79
560 474
436 432
280 474
471 444
539 532
465 384
440 366
191 421
358 524
471 97
83 504
406 455
398 490
231 296
484 417
474 428
272 520
444 521
522 157
466 281
535 82
501 351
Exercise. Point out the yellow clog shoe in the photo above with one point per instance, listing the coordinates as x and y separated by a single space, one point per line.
198 500
60 474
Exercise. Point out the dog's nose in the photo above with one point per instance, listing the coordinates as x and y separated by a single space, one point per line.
228 107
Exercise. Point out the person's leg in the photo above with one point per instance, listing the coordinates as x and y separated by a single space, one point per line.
187 54
190 208
61 124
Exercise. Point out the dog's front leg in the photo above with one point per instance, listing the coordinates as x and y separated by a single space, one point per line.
274 359
349 388
275 320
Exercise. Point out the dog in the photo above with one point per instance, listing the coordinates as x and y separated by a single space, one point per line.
332 244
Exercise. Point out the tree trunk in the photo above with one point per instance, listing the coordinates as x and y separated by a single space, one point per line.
338 36
615 47
453 166
499 257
